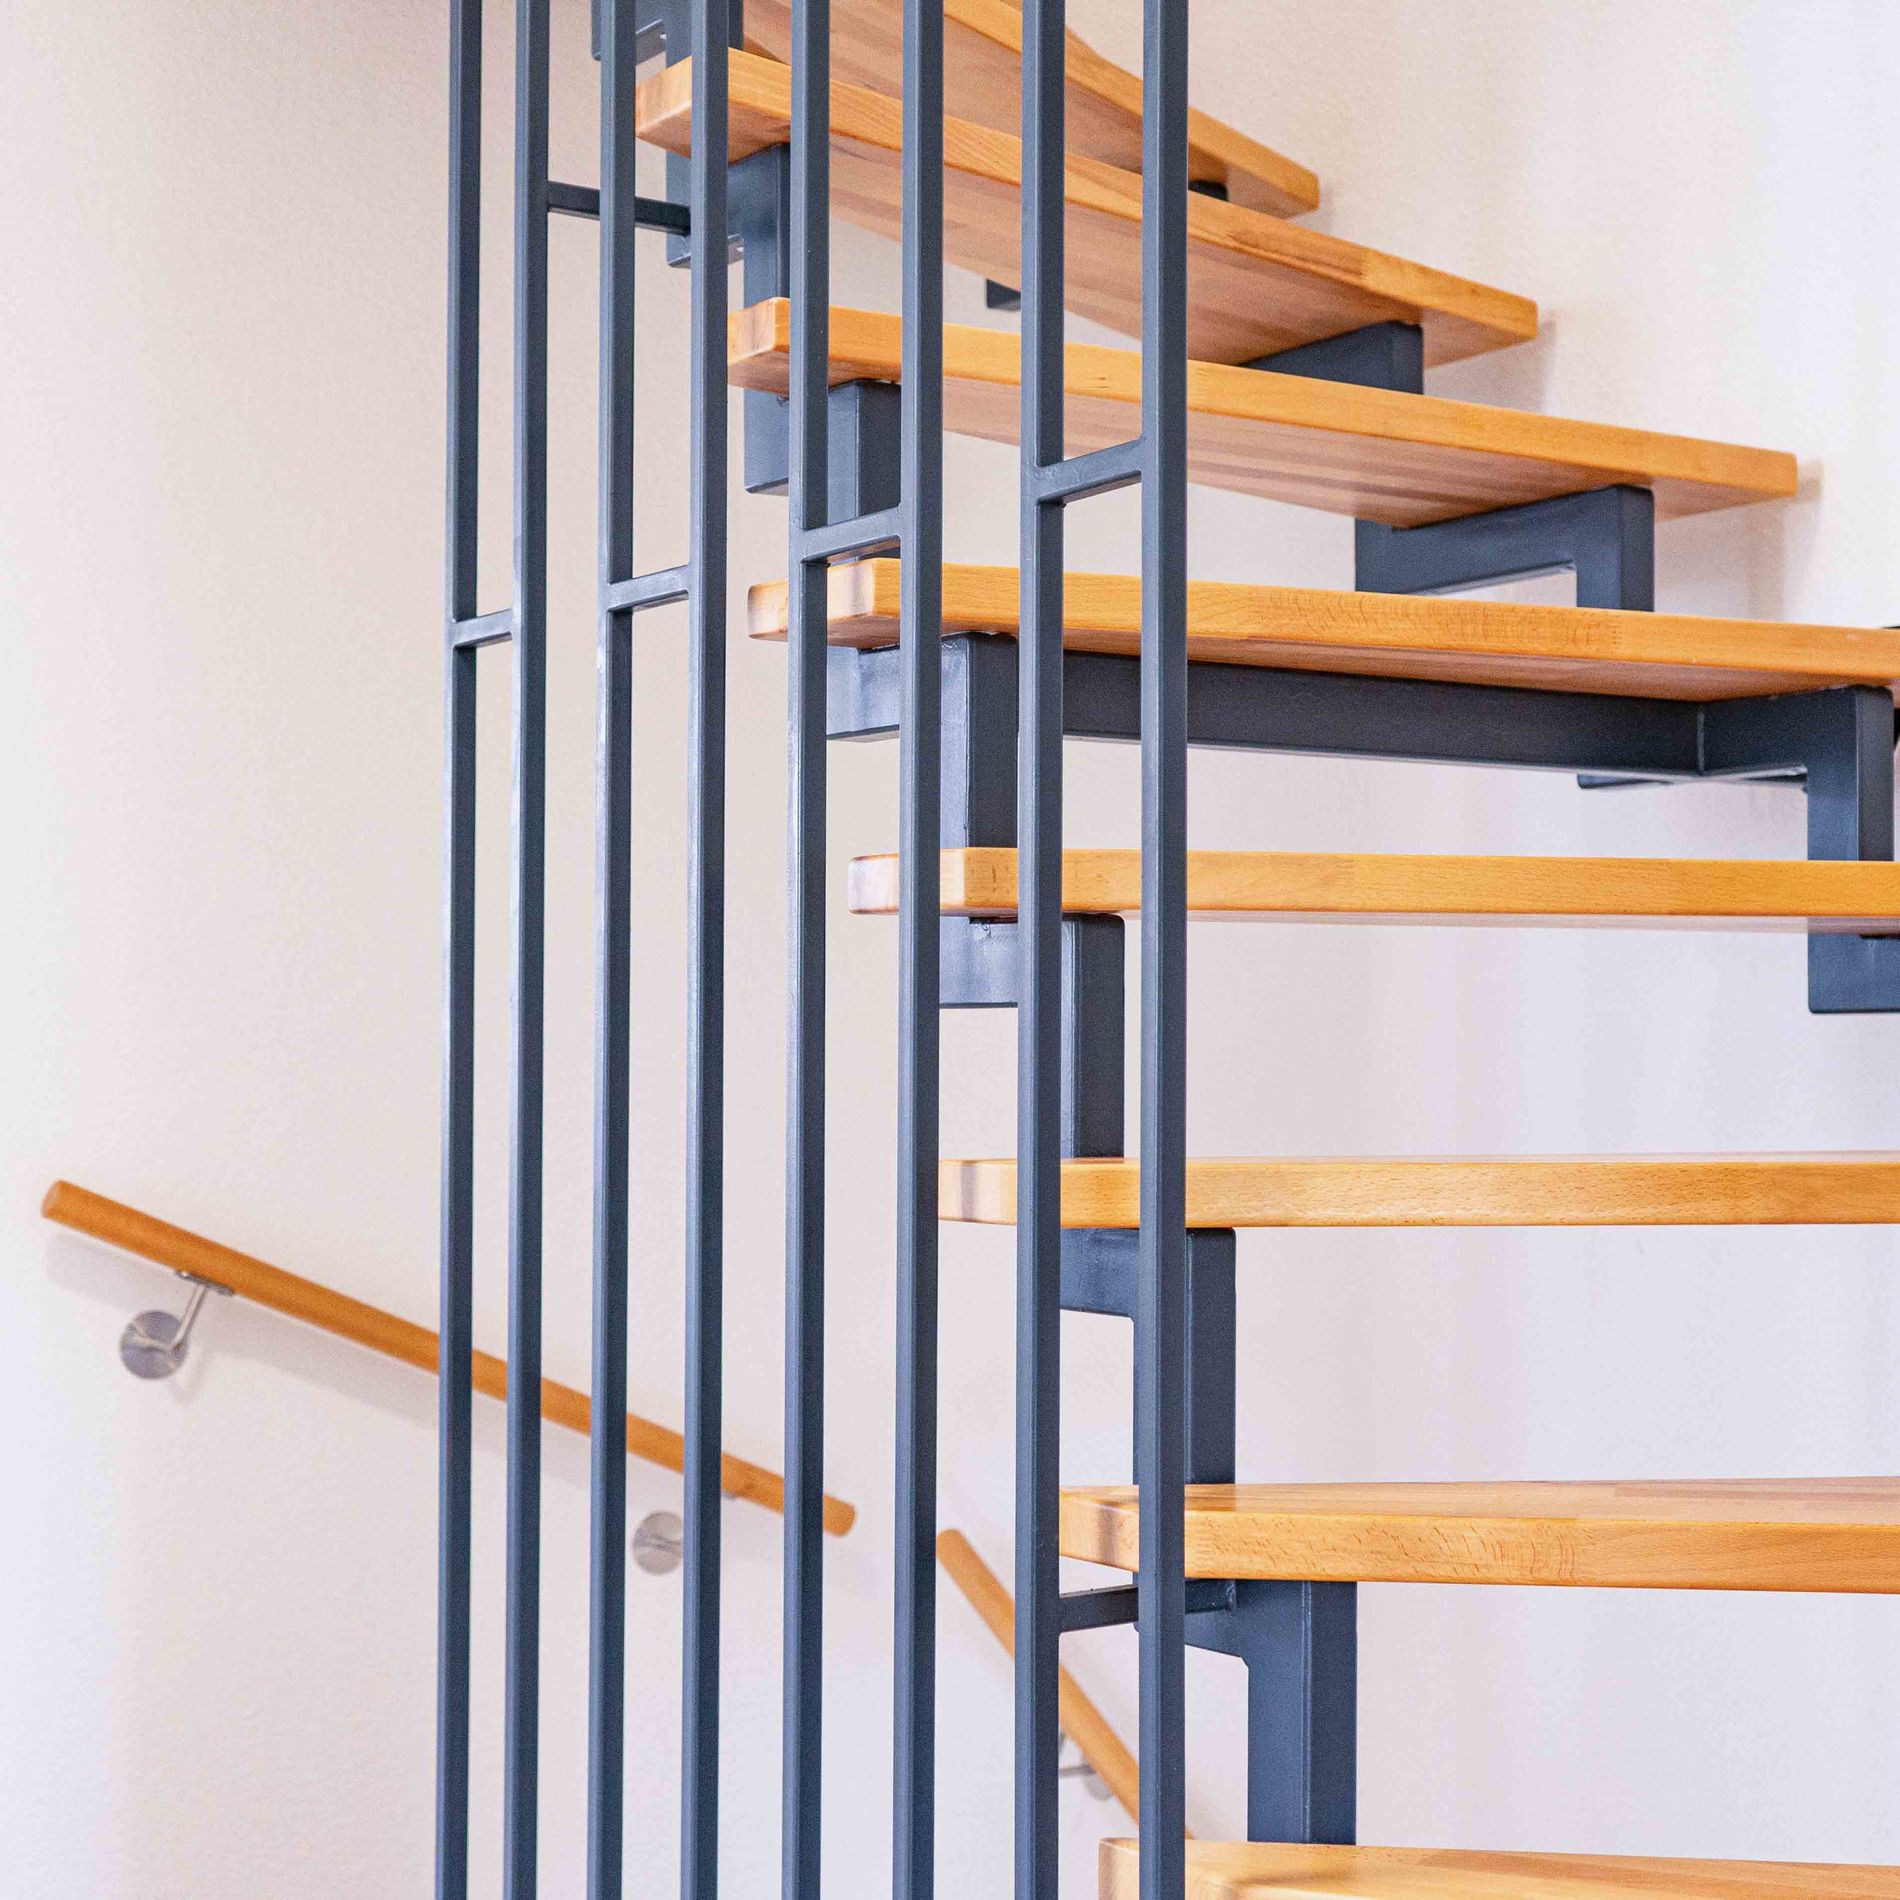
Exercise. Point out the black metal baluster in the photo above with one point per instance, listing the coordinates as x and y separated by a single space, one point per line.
523 1534
920 659
1039 1020
810 262
1160 1305
606 1760
455 1391
454 1395
705 1165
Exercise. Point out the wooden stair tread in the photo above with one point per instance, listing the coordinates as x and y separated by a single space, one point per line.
1253 1870
1740 1190
1256 283
1853 897
983 48
1376 454
1393 636
1811 1534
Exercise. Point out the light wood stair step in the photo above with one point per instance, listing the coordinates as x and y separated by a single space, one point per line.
1378 454
1849 897
1252 1870
983 82
1806 1534
1391 636
1739 1190
1256 283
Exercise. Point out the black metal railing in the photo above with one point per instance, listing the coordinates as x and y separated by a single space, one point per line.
808 485
831 519
524 626
1050 483
622 594
920 647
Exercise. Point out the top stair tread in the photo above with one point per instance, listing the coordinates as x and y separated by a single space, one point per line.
983 45
1376 454
1396 636
1252 1870
1257 283
1787 1534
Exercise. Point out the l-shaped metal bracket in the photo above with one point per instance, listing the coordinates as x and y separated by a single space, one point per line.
1299 1641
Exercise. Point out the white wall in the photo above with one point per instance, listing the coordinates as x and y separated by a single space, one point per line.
219 594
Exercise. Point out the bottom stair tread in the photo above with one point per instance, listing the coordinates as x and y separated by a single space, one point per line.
1793 1534
1845 896
1266 1871
1738 1190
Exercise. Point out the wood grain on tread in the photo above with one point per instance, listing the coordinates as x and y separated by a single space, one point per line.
1391 636
983 49
1743 1190
1376 454
1846 896
1261 1871
1809 1534
1256 283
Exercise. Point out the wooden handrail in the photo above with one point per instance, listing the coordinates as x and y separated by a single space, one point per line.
1086 1725
185 1252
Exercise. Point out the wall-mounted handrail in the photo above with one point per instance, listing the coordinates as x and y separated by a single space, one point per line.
288 1293
1082 1721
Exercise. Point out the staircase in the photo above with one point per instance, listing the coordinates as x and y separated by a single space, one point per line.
1305 385
1273 361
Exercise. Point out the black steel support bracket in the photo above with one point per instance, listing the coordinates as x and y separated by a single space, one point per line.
1607 536
1299 1641
1840 745
1098 1276
1379 356
1261 709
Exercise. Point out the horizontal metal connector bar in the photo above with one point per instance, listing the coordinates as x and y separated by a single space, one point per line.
1104 1609
652 214
1097 473
1098 1609
864 534
485 630
573 201
662 214
662 588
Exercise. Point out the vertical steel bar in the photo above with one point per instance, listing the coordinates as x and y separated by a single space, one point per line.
810 263
1040 1017
1160 1304
465 267
606 1756
523 1533
454 1392
706 975
920 661
454 1397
